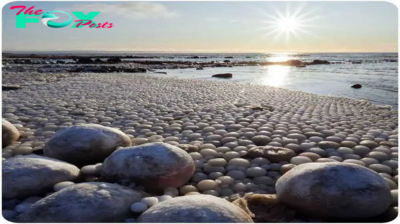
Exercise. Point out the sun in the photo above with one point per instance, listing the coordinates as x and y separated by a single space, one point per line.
287 24
292 23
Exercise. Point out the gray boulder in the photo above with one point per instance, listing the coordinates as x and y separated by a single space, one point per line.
334 191
85 202
154 166
10 133
85 144
195 208
32 175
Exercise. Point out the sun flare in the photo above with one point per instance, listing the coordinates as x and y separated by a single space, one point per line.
288 24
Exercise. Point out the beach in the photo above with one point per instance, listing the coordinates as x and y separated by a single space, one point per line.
331 76
218 123
200 112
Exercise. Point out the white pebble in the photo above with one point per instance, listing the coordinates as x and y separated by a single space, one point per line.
205 185
163 198
171 191
150 201
297 160
62 185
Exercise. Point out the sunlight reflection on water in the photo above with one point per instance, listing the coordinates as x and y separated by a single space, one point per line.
275 75
279 58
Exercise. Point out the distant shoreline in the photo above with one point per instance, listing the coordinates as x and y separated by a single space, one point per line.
124 53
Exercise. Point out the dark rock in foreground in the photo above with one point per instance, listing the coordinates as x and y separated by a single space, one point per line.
356 86
32 175
334 191
155 166
195 208
85 144
85 202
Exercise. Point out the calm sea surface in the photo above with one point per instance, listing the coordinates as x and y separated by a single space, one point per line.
376 72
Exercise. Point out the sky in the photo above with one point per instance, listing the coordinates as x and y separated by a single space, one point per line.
260 27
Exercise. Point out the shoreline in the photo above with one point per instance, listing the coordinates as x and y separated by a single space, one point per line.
212 121
60 76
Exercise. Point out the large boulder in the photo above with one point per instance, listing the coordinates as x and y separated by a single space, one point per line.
195 208
32 175
85 202
334 191
85 144
154 166
10 133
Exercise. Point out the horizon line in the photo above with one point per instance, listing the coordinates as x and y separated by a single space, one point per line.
191 52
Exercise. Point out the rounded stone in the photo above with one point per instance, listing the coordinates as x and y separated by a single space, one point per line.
380 168
391 184
395 197
328 144
205 185
325 160
10 133
154 165
391 163
85 202
351 156
380 156
32 175
62 185
261 140
344 150
85 144
354 161
353 191
272 153
369 161
236 174
297 160
187 189
255 171
361 150
348 144
311 155
369 143
139 207
195 208
286 167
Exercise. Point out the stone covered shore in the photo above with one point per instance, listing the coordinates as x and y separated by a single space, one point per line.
247 144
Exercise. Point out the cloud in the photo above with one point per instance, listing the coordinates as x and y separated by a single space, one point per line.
137 10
